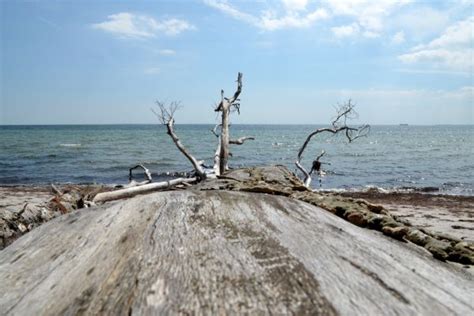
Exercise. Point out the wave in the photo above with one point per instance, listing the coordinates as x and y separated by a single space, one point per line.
405 189
70 145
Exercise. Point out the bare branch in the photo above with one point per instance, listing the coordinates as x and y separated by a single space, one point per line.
166 113
214 130
361 131
166 117
147 173
344 111
239 89
339 124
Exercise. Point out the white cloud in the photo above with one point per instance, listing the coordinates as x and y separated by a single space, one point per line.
295 5
398 38
269 20
433 71
368 14
230 10
459 34
452 59
453 49
128 25
432 22
166 52
174 26
346 30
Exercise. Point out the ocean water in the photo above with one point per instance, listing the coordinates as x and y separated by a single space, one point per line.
391 157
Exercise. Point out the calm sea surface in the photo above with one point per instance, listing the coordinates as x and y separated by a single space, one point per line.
391 157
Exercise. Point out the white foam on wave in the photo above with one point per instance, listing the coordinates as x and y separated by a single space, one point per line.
70 145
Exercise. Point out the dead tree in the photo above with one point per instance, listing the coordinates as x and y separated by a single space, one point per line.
225 107
345 112
217 154
166 117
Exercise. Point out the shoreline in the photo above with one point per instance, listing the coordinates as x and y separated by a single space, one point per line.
442 213
442 225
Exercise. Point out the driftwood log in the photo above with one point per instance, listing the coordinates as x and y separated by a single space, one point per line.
214 252
135 190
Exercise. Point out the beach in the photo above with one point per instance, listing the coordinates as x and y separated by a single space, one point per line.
257 232
442 214
448 214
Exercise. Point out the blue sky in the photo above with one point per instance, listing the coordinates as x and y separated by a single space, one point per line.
87 62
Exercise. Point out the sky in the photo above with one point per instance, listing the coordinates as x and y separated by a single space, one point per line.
107 62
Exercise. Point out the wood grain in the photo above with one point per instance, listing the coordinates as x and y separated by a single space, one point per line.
219 252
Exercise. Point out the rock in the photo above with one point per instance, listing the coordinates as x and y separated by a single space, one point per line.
339 211
395 232
374 221
437 252
417 237
356 218
221 252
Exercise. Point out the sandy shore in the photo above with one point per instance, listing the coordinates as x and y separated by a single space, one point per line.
445 214
14 198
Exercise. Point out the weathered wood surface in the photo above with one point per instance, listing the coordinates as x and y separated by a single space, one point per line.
220 252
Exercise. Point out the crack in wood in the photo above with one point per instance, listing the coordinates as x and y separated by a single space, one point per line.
377 279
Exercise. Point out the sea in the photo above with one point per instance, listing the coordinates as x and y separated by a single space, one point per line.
434 159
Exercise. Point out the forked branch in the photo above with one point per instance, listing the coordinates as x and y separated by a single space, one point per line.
339 124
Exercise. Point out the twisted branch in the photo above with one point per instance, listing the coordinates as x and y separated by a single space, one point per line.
339 124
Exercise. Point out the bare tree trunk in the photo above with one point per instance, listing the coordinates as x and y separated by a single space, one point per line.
217 159
225 107
224 146
217 155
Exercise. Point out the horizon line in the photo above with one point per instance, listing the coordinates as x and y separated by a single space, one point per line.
269 124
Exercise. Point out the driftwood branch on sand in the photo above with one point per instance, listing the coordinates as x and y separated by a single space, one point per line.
145 188
222 252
